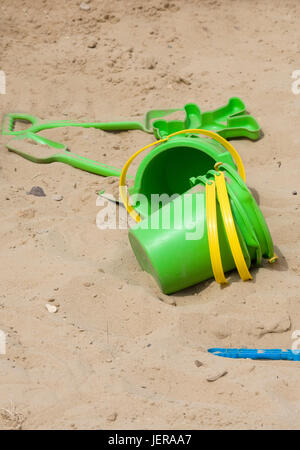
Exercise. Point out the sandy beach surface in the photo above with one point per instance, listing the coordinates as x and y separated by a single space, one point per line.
119 354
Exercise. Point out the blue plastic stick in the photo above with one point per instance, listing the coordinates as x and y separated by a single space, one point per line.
275 354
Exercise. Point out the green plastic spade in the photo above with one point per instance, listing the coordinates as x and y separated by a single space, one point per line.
33 150
229 121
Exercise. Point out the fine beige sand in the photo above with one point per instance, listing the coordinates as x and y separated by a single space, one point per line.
118 353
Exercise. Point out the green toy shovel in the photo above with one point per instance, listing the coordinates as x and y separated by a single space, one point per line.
30 148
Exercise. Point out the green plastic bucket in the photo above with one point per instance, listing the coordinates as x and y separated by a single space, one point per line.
172 243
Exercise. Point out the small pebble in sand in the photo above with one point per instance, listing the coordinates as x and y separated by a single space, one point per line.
92 44
88 284
51 308
112 417
217 376
84 6
57 197
198 363
37 191
294 192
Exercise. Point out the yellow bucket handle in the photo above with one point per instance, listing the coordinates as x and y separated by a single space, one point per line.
212 233
230 228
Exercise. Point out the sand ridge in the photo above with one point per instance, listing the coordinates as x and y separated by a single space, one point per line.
118 353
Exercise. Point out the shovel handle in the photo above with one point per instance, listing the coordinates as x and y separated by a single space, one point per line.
87 164
8 123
